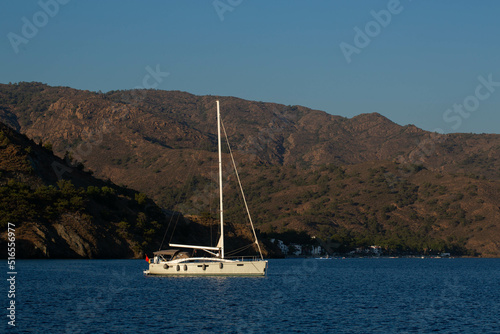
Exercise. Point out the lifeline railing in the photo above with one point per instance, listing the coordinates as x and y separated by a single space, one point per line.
243 258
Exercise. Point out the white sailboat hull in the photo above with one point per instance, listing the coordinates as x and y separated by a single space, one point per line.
208 267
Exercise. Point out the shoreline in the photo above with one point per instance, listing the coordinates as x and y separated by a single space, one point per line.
336 257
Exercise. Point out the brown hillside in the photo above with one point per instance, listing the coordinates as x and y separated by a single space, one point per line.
163 144
59 211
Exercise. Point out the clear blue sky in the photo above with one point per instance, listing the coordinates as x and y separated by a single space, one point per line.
415 67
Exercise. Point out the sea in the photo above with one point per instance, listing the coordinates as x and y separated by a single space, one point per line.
352 295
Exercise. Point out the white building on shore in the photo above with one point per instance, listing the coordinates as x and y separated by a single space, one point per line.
297 249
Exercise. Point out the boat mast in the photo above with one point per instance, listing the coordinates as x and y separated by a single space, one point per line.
221 241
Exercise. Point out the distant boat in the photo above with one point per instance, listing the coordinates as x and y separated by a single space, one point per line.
323 258
180 263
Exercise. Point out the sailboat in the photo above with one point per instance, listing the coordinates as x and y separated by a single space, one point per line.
177 262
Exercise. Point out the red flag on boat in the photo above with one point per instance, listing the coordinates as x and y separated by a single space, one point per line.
147 259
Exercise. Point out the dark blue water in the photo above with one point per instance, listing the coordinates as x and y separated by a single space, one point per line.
297 296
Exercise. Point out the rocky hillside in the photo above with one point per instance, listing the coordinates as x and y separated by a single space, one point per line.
405 208
359 180
60 211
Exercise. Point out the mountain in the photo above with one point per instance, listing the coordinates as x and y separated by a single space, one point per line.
60 211
357 181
